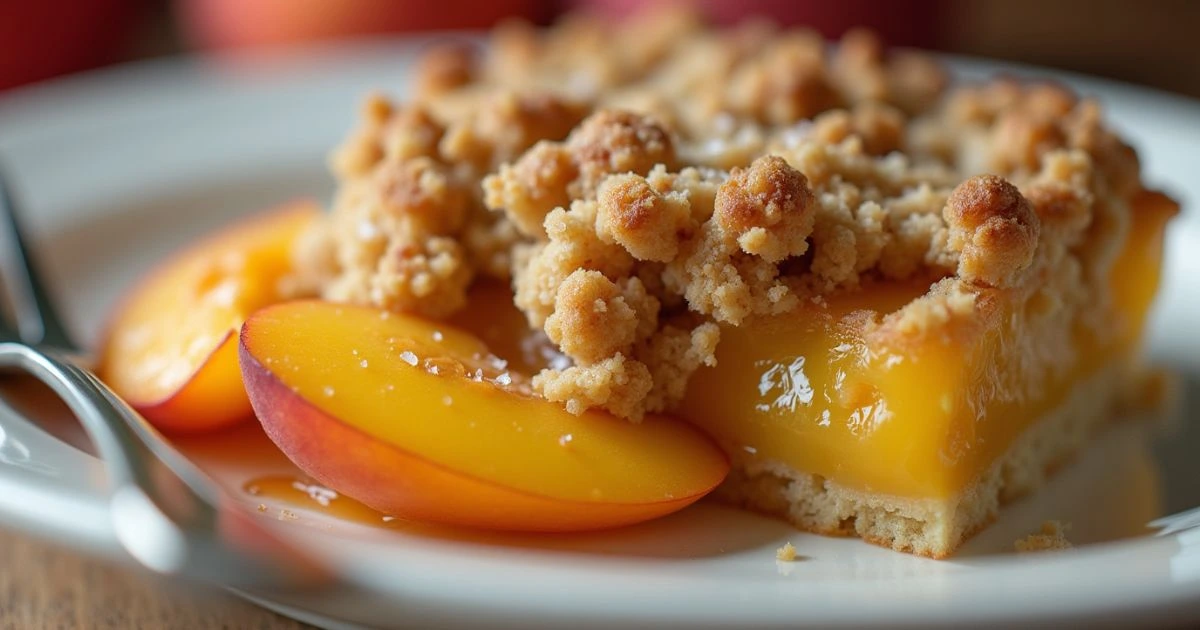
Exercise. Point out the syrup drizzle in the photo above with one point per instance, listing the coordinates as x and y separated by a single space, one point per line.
286 496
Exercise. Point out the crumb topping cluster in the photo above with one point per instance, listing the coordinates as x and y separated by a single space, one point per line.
644 184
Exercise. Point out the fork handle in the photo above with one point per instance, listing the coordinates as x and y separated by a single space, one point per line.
146 495
51 489
37 319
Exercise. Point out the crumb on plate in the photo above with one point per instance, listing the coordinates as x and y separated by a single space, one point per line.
1051 537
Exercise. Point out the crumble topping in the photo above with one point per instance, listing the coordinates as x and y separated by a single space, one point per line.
993 229
444 68
644 184
552 174
767 208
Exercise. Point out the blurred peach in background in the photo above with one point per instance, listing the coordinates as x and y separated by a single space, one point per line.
1149 44
259 23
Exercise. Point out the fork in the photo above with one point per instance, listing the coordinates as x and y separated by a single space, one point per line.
165 512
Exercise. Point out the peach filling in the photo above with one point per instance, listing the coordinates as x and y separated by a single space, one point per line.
171 347
814 391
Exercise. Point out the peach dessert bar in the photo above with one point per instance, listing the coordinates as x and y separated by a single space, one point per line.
894 302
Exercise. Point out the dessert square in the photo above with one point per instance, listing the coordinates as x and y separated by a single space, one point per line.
895 302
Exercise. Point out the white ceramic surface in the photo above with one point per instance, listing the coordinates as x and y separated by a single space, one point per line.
118 167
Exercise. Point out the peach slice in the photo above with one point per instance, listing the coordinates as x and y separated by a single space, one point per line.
171 347
418 420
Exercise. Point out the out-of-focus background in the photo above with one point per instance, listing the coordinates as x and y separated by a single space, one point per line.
1150 43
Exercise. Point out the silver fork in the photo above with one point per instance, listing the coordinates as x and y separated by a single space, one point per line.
166 513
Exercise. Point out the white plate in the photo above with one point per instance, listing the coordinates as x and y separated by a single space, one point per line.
117 168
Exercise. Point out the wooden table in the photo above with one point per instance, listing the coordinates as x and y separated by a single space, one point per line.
42 586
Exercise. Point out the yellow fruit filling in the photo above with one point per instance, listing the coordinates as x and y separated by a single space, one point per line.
814 390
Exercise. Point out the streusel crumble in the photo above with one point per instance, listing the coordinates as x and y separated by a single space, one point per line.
640 194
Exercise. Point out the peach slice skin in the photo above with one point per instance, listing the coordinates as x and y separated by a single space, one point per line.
171 346
511 472
212 398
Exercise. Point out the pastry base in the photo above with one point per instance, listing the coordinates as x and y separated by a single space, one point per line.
934 527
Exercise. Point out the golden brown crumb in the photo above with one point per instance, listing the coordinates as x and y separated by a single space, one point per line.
1048 100
1061 194
573 244
490 242
947 304
655 31
606 143
880 127
994 228
787 82
592 320
1019 141
443 68
429 279
513 48
1005 127
410 132
1051 537
767 208
529 189
616 384
506 124
1118 161
314 262
392 239
614 141
649 225
418 193
915 81
362 149
786 553
672 355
